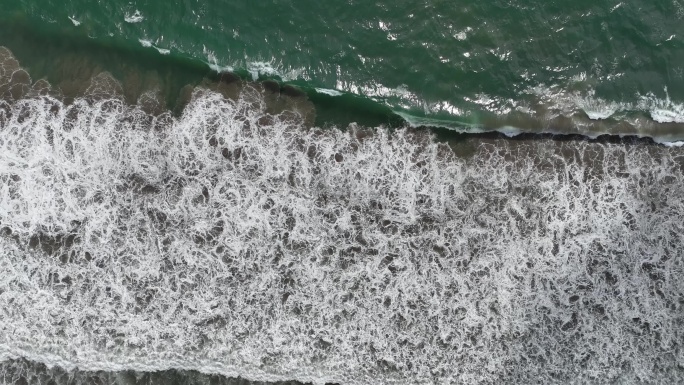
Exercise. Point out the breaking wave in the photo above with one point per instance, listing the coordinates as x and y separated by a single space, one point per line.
234 240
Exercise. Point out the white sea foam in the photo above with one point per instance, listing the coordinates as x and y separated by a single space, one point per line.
492 104
135 17
212 62
272 69
563 102
149 44
597 108
462 35
329 92
673 144
230 241
220 69
661 110
257 68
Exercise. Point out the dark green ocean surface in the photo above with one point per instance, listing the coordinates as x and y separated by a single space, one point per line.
499 64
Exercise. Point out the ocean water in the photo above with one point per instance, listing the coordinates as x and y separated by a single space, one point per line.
589 67
225 193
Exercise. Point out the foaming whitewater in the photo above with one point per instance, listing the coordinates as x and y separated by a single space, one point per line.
135 17
235 241
562 110
567 103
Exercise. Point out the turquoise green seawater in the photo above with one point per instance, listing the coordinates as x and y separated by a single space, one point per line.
463 65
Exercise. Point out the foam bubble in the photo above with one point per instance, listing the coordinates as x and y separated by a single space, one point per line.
673 144
135 17
663 110
149 44
257 68
565 102
597 108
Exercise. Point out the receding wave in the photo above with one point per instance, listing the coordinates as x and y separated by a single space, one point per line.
235 239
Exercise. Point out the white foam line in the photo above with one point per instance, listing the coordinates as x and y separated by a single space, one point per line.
329 92
148 44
